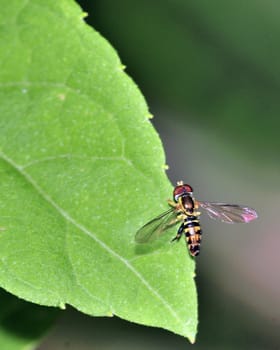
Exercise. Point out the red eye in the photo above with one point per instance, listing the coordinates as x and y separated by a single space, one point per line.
180 190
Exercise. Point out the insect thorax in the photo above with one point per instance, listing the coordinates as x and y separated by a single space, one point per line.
187 205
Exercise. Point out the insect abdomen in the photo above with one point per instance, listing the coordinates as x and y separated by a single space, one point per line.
193 235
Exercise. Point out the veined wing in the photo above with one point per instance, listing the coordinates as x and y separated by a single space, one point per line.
229 213
156 227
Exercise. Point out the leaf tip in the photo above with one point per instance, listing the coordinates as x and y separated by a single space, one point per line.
192 339
62 305
84 15
150 116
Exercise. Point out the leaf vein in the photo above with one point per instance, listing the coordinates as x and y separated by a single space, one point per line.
72 156
70 219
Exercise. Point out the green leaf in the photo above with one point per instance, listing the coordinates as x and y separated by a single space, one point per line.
22 323
81 170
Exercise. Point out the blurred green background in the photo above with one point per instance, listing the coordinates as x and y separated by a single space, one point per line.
210 71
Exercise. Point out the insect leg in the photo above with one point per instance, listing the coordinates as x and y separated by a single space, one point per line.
172 203
179 233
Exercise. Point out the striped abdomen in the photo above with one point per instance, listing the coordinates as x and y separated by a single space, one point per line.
193 234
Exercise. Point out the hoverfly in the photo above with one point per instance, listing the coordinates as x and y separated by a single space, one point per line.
184 209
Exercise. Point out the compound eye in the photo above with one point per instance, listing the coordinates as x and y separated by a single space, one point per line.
188 188
180 190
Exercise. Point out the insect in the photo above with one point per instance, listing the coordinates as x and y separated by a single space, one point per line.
184 209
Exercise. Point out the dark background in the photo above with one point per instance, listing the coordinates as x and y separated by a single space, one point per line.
210 71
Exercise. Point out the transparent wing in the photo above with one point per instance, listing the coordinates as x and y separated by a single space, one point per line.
156 227
229 213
